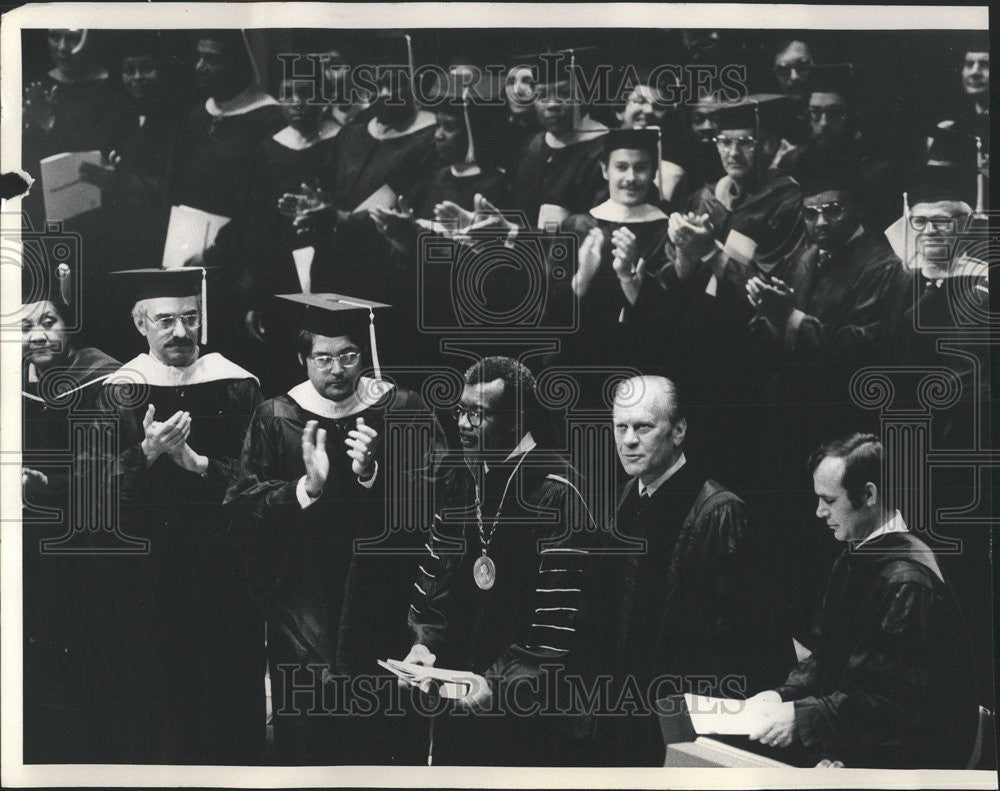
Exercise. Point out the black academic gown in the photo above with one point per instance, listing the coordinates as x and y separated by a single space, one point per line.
604 336
444 185
520 632
685 613
569 176
185 645
333 606
890 682
63 594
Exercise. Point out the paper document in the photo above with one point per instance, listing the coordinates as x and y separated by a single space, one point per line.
724 715
454 683
190 232
550 216
384 197
66 195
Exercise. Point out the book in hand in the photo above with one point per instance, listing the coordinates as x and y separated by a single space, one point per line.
190 232
724 716
452 684
66 195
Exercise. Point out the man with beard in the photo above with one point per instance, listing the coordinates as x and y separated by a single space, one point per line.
317 474
559 172
63 592
185 645
498 591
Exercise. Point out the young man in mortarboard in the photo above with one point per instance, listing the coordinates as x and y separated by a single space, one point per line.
620 240
559 169
318 472
184 638
62 593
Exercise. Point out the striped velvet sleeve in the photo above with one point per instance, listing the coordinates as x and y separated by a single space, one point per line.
429 604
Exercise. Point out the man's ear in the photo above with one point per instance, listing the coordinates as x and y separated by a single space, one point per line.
680 431
871 494
302 359
138 318
604 170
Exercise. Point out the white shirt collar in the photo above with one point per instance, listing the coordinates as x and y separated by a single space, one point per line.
147 369
465 170
246 100
643 488
526 444
421 120
368 393
292 138
610 211
895 524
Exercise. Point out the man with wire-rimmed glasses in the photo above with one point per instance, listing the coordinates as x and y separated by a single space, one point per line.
186 654
331 576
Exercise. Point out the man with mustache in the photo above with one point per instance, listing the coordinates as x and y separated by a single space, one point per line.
319 471
186 643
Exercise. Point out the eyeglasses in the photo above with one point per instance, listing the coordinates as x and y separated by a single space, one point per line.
945 224
832 211
831 113
324 362
191 321
786 70
474 414
744 143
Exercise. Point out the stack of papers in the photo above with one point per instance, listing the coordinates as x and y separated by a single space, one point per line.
66 195
190 232
453 683
724 715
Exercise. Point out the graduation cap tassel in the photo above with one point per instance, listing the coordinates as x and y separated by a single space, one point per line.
371 336
980 179
64 276
577 111
906 230
658 179
470 153
410 64
204 307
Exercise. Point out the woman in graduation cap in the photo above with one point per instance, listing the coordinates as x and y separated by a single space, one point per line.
320 466
60 591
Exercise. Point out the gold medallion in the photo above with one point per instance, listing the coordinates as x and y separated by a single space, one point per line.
484 572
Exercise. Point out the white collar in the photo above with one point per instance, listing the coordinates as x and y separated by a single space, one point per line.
526 444
146 369
895 524
421 120
643 488
246 100
588 129
368 393
292 138
465 170
615 212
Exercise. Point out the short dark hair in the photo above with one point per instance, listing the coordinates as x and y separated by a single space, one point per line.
519 388
304 342
862 455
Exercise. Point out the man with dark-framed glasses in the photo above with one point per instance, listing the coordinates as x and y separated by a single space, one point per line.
186 646
318 465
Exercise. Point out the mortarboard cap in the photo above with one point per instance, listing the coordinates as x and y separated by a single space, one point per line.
635 139
950 147
832 78
934 183
139 284
332 315
769 111
818 172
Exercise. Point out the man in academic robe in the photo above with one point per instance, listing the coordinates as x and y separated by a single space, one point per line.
211 163
970 115
311 502
559 167
620 241
684 606
889 682
62 586
186 647
498 591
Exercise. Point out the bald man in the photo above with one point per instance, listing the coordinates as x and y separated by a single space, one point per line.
683 610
